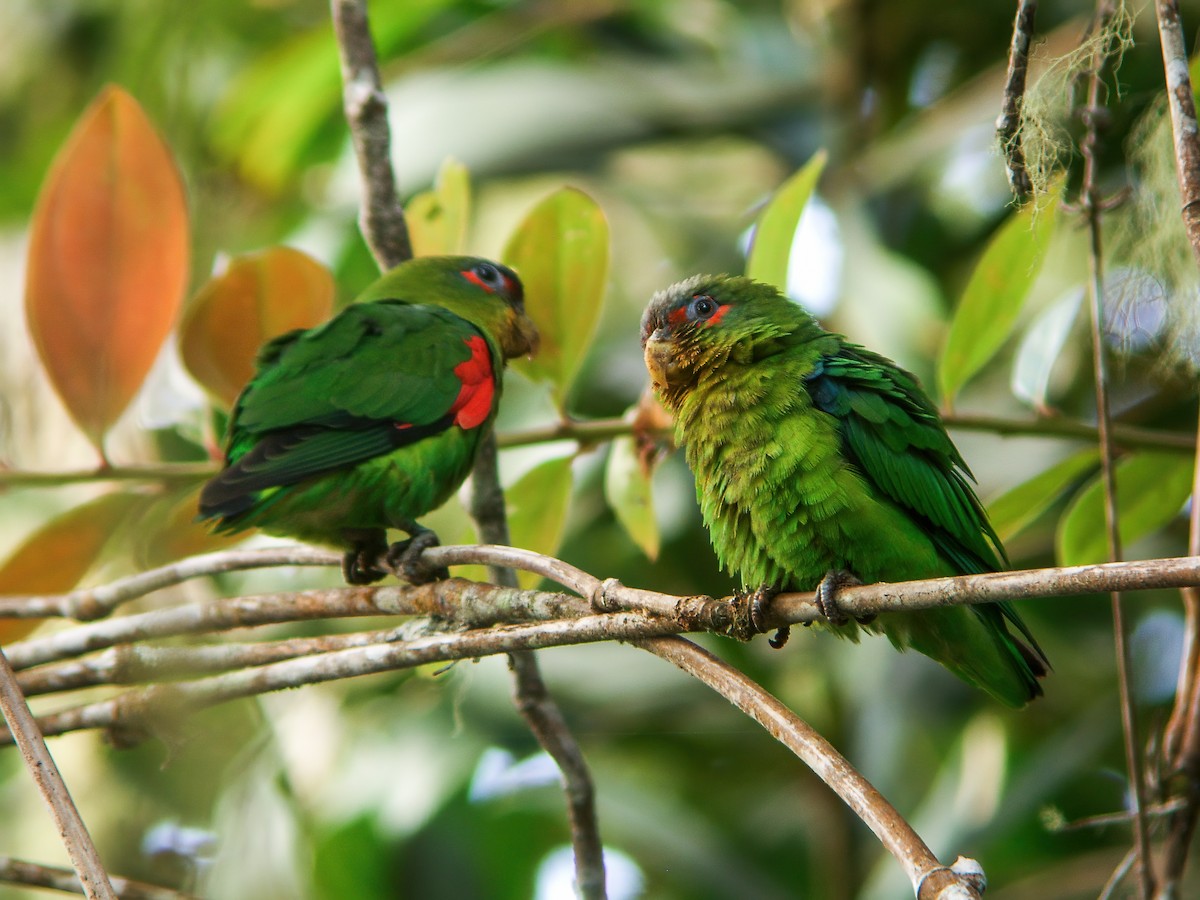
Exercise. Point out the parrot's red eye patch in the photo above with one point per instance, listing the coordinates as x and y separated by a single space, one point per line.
705 310
486 276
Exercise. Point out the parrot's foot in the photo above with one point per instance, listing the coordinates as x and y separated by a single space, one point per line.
405 559
834 581
360 565
750 616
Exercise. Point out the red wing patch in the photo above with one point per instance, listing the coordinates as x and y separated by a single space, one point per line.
473 404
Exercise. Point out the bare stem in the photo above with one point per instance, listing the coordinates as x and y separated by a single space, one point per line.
25 733
1093 205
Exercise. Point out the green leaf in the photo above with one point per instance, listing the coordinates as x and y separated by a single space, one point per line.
776 227
1040 348
561 254
995 294
437 219
537 506
1151 489
627 488
275 111
1013 511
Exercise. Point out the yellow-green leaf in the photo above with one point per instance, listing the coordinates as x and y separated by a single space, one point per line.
55 557
627 488
258 296
437 219
995 293
537 506
108 260
561 254
1012 511
776 227
1151 490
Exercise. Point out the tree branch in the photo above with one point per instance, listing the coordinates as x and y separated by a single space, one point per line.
1181 739
16 871
382 220
930 879
24 732
534 702
1008 125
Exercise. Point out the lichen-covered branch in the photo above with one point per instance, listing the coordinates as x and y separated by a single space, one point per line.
1008 125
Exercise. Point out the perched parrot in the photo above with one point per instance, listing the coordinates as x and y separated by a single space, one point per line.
373 419
818 463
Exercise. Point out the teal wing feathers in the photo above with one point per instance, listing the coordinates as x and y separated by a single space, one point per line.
376 377
893 435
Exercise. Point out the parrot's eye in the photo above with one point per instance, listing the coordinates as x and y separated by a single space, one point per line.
489 275
701 307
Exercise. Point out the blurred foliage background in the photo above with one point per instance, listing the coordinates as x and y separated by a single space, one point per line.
679 117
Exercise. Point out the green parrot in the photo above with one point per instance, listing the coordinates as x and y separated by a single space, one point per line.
818 463
373 419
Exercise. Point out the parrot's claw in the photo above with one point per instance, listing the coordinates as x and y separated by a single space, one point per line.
360 564
405 559
358 567
834 581
751 608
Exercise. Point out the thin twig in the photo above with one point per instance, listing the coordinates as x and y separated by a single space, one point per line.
596 431
1181 739
930 879
1008 125
382 220
533 701
24 730
55 878
1093 205
95 603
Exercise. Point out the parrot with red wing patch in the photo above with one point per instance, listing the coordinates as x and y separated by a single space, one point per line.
373 419
818 462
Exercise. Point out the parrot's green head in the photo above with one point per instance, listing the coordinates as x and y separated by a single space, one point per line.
485 293
696 326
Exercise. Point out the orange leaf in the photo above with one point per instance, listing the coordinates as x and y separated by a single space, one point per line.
108 260
56 556
259 296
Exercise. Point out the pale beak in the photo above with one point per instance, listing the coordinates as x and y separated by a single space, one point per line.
522 339
660 360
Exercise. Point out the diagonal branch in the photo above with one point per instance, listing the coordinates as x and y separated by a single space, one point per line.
1008 125
930 879
24 731
16 871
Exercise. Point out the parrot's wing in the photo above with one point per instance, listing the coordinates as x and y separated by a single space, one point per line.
376 377
893 435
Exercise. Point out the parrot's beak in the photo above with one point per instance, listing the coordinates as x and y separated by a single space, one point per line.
660 360
522 339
